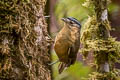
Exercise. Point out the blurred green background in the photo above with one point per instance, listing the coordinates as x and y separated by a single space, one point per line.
74 8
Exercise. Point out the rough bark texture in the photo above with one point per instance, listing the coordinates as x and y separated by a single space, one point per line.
23 41
105 66
104 33
96 37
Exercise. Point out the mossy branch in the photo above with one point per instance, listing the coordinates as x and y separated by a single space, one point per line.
96 37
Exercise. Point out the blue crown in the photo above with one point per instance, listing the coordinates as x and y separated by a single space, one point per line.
74 20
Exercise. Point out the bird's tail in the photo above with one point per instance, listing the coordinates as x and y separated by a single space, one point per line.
62 66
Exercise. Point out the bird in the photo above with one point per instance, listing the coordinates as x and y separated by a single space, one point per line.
67 43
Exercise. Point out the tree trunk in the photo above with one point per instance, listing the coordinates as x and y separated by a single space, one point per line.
23 41
104 33
96 38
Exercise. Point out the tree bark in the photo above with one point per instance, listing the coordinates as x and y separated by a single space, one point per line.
104 33
24 41
96 38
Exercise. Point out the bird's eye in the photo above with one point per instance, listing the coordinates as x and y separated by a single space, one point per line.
71 22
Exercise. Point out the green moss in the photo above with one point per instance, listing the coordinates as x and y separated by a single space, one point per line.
104 76
16 16
88 3
90 38
95 38
9 14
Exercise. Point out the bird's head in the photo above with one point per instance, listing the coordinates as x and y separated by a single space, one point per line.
72 22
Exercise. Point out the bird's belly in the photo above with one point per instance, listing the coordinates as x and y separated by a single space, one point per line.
61 48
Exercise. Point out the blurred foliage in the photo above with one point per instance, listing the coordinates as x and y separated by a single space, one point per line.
77 9
72 8
113 7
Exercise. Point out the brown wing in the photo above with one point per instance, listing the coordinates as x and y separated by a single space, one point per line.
72 54
73 51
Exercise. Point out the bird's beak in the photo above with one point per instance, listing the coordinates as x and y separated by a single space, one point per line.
63 19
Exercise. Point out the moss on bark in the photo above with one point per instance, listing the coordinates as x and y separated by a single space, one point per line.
96 38
23 40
